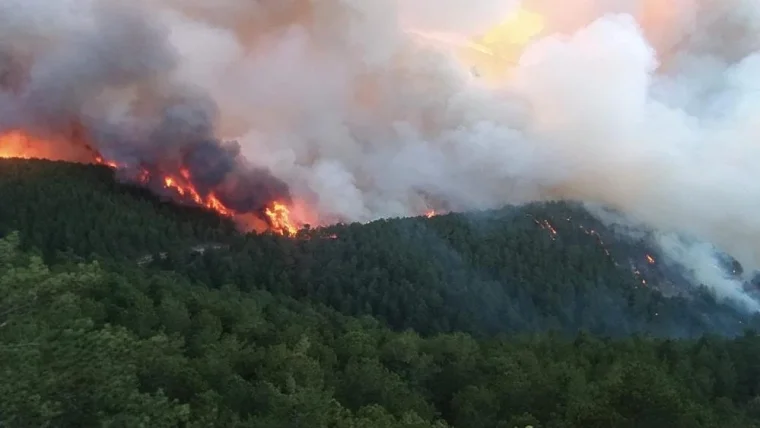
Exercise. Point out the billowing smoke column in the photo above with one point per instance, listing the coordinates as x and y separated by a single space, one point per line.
366 110
97 78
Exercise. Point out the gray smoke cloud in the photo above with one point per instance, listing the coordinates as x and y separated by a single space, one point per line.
645 106
98 78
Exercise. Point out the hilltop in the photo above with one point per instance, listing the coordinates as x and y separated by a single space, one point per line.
539 267
120 309
529 269
61 206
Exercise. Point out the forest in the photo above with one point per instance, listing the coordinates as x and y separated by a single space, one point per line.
119 309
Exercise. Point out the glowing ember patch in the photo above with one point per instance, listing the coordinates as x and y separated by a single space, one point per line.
101 161
143 177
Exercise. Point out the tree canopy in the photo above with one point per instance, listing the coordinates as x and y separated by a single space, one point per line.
469 321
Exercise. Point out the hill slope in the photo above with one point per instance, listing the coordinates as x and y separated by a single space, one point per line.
527 269
113 342
497 272
59 206
126 346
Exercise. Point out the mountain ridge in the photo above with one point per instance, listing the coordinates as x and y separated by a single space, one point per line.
461 320
519 269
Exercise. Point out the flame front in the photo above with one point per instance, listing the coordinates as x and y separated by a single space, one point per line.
20 145
185 190
280 219
16 144
101 161
284 218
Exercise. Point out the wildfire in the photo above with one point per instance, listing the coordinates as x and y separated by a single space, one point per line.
187 191
594 233
650 259
101 161
279 218
544 224
284 218
278 214
180 186
16 144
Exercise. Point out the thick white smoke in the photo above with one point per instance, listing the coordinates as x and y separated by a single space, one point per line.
647 106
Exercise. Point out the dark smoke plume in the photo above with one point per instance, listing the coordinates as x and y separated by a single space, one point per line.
100 77
382 108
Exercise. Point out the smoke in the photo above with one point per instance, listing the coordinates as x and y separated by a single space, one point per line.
99 78
645 106
704 268
697 261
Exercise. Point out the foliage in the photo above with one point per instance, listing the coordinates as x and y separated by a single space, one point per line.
82 346
58 206
528 269
400 323
495 272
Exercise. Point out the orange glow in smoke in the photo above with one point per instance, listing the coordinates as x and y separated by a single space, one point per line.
280 217
16 144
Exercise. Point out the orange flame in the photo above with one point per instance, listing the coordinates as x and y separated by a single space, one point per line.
22 145
650 259
279 218
16 144
187 191
278 213
101 161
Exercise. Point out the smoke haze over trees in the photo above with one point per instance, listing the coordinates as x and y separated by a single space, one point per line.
340 104
92 333
594 262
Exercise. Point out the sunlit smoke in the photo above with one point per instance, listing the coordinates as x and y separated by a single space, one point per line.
360 109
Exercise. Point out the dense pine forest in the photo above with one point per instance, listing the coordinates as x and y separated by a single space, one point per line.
119 309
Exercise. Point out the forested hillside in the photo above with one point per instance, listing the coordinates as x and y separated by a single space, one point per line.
461 320
84 346
58 206
534 268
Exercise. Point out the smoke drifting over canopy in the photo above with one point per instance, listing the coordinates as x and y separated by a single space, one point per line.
99 78
648 107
